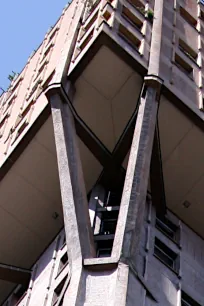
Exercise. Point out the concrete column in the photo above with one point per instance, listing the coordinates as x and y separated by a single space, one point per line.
74 201
131 216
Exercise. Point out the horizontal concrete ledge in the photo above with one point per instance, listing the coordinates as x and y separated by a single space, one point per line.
100 264
14 274
103 237
108 208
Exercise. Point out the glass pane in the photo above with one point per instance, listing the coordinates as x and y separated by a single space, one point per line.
164 257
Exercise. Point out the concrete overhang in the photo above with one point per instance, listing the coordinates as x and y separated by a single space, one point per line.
108 83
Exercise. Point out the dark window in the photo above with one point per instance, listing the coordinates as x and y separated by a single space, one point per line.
129 37
104 248
188 17
138 5
63 262
130 17
108 222
113 198
183 65
187 50
186 300
165 254
57 291
167 228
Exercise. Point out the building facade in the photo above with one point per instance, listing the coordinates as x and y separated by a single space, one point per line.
101 160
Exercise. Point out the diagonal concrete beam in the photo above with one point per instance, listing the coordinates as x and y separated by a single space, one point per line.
74 201
130 218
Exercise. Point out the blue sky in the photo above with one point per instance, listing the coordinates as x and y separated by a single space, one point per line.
23 25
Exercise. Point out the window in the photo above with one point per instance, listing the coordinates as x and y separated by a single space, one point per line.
57 291
63 262
108 222
9 103
104 248
188 51
167 228
138 5
183 65
113 198
91 22
20 131
186 300
127 14
94 5
52 35
188 17
87 40
165 254
129 37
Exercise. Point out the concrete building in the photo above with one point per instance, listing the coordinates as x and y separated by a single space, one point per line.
102 160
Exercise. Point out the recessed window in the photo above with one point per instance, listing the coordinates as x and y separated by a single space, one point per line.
104 248
107 15
91 22
165 254
57 291
167 228
2 122
52 35
130 17
138 5
63 262
187 50
108 222
87 40
188 17
129 37
183 65
186 300
20 131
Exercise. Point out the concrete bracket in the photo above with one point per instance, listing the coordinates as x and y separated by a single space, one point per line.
155 82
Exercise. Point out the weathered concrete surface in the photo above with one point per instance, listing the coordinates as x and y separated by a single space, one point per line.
156 41
135 187
75 206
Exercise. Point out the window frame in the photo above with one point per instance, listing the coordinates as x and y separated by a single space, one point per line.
188 51
169 253
183 66
187 17
165 226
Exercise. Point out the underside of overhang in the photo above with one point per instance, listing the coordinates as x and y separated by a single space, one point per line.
107 91
182 150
